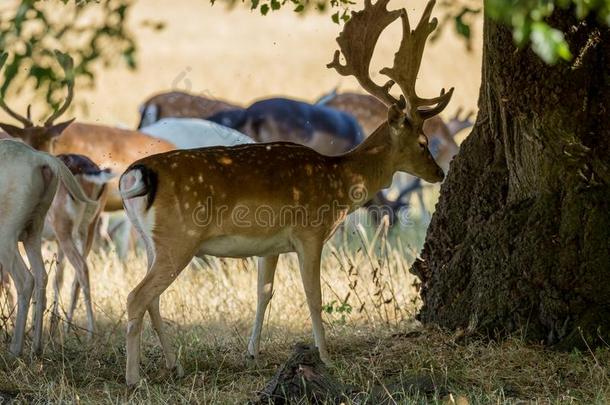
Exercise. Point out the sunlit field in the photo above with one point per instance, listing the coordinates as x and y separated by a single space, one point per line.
240 56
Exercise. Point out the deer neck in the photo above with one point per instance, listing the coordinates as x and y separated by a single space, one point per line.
371 164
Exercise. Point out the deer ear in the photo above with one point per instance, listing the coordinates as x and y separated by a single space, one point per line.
57 129
12 130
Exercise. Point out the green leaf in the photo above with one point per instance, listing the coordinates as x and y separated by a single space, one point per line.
264 9
462 28
335 17
275 5
549 43
254 4
299 8
345 16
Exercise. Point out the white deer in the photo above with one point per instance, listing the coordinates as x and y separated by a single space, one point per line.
191 133
28 185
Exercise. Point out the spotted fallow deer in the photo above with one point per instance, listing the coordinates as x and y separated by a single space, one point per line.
28 184
268 199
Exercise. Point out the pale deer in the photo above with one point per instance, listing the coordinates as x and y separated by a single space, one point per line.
72 224
268 199
28 184
326 130
191 133
177 104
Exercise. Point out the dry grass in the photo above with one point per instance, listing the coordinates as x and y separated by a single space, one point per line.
209 310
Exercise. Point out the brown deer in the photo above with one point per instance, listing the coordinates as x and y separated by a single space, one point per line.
177 104
72 224
112 148
268 199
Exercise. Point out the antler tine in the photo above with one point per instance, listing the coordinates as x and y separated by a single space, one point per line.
357 43
67 64
407 61
440 101
25 121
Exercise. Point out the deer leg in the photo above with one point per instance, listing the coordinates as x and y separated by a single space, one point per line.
162 273
310 254
266 273
5 285
24 284
33 249
88 235
74 294
81 280
100 233
171 361
57 284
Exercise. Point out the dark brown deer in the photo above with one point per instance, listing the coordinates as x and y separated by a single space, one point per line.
177 104
208 201
325 130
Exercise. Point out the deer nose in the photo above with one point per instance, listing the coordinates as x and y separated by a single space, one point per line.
441 174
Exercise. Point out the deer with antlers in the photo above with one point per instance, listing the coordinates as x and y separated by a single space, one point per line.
187 203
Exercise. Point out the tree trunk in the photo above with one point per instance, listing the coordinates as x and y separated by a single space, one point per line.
520 241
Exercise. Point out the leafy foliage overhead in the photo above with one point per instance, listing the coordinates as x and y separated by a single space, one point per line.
89 31
527 18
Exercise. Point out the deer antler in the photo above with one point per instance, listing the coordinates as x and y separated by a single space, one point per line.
407 62
67 65
25 121
357 43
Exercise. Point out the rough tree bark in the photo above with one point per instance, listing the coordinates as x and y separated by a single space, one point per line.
520 239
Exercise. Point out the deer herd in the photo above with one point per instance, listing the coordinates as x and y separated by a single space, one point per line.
308 165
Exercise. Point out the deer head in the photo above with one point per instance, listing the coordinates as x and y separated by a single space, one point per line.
41 137
406 114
